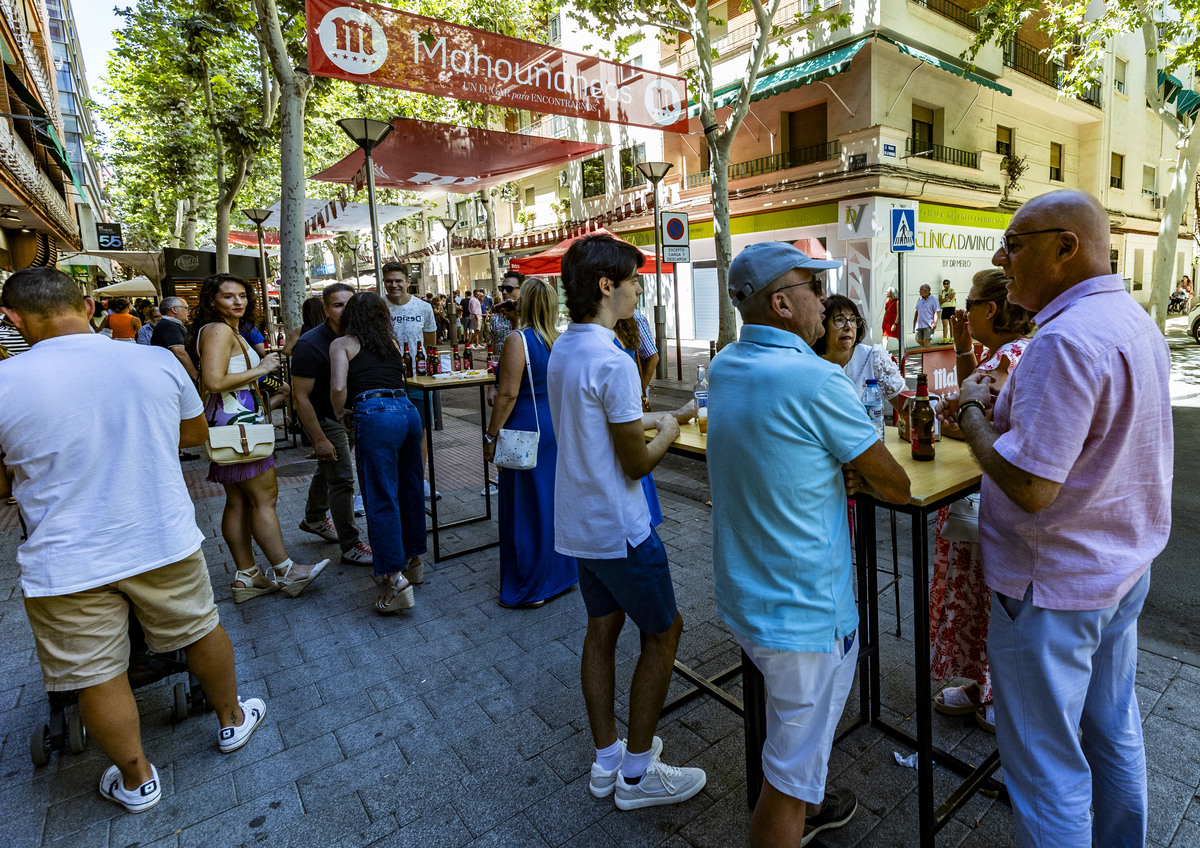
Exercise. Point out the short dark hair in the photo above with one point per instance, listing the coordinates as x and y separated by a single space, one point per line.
592 257
42 292
392 267
333 288
834 304
516 275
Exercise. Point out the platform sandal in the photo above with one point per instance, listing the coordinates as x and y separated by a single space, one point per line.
415 571
293 586
399 596
241 594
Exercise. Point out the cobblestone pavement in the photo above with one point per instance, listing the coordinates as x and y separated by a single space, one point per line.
462 723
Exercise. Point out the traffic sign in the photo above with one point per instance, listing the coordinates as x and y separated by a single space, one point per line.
904 230
677 253
675 230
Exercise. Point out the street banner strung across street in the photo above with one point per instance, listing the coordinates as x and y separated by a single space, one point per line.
364 42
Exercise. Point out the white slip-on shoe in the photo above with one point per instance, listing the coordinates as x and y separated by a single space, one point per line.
229 739
133 800
604 781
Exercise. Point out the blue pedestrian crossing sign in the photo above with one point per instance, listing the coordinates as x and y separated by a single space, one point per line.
904 230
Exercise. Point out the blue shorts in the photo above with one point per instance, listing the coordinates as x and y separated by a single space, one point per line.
639 585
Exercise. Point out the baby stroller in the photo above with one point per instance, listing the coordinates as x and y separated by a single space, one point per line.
68 733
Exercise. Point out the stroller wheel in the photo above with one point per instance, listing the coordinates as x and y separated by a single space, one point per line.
179 711
39 745
77 734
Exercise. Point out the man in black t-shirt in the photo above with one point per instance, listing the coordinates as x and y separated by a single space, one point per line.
332 487
170 332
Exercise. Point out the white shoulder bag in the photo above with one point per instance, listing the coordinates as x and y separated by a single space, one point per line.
518 449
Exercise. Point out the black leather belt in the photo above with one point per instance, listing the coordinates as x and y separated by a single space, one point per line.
380 393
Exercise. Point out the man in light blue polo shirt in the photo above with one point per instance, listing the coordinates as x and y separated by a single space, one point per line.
795 442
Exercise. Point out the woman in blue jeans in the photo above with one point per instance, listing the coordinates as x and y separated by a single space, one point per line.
367 368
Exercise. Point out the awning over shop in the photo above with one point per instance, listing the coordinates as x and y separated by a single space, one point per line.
548 263
816 68
137 287
427 156
270 239
1187 103
1172 85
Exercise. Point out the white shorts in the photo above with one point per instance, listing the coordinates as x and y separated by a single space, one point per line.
806 695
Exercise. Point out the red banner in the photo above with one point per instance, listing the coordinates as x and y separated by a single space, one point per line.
363 42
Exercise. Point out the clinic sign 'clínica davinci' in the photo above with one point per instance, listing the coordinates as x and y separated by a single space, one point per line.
363 42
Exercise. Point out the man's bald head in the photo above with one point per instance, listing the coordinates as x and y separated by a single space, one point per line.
1073 210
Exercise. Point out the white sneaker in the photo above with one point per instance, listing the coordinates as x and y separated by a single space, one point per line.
229 739
360 554
133 800
427 494
325 529
359 509
604 781
661 784
490 489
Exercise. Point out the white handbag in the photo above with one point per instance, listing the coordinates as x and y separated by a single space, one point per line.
518 449
962 523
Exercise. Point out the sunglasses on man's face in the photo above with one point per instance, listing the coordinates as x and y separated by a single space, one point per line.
509 289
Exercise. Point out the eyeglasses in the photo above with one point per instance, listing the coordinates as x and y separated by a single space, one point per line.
817 283
1006 241
971 303
509 289
844 321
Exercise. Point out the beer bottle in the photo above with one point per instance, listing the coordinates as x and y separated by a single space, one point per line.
408 361
456 359
467 362
921 422
422 365
435 362
491 360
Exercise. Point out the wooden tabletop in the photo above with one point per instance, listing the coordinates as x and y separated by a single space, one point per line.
952 470
451 382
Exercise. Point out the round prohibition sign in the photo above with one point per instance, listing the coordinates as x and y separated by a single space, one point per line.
674 229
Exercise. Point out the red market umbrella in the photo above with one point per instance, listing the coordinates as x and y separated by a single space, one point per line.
812 247
548 263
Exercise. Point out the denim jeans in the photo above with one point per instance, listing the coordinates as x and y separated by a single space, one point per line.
332 488
1067 720
387 432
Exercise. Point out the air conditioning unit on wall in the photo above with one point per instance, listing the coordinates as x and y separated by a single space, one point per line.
1159 202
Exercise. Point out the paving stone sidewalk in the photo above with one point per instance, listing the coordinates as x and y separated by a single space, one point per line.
462 723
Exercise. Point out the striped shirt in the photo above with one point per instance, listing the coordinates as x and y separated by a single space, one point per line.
10 339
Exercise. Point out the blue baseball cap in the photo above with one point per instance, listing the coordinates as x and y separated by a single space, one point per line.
761 264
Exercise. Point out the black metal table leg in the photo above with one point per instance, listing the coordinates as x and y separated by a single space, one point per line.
754 719
920 582
433 510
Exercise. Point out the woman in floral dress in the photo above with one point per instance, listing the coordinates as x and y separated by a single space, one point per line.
959 600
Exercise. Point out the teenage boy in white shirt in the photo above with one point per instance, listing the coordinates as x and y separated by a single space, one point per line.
601 518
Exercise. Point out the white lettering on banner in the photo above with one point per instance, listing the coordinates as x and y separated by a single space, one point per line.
353 40
663 101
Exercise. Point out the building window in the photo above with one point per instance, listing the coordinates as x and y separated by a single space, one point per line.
1119 69
1004 140
461 212
559 126
631 177
530 196
1149 181
922 129
593 177
1056 162
65 81
554 29
1116 176
66 102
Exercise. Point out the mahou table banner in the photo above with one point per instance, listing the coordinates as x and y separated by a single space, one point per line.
363 42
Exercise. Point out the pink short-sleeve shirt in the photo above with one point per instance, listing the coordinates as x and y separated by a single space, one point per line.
1088 408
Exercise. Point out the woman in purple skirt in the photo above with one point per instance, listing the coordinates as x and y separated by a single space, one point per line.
229 374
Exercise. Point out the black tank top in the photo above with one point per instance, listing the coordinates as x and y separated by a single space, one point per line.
370 371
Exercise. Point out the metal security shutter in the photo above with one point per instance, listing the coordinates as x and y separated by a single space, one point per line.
704 302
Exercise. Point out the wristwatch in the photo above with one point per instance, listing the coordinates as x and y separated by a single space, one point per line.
491 440
967 404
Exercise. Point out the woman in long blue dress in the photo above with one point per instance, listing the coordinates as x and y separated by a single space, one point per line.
531 571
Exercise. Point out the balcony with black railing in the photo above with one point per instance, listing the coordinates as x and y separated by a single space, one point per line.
953 11
941 153
768 164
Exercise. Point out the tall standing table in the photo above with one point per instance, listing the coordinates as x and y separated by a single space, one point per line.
431 385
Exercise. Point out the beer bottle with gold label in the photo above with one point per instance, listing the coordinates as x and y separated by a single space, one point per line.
921 422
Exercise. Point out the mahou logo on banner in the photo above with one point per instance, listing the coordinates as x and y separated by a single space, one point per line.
362 42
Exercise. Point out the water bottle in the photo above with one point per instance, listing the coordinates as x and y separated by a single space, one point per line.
700 393
872 400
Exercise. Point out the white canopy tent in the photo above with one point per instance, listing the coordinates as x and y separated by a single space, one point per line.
137 287
355 216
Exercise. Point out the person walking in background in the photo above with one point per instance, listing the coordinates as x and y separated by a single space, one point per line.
80 580
475 309
1076 503
948 300
601 518
144 335
229 370
795 441
891 315
925 317
331 491
120 322
367 377
171 332
531 570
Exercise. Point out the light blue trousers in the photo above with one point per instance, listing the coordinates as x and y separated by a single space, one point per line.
1067 721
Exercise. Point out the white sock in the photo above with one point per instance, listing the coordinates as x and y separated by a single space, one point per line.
635 765
610 758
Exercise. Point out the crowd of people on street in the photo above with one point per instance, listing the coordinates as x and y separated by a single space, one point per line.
1036 613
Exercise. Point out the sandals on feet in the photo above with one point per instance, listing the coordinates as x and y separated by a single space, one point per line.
398 597
247 591
415 572
293 586
957 700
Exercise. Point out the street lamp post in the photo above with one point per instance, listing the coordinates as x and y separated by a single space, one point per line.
259 216
354 242
654 172
368 134
451 307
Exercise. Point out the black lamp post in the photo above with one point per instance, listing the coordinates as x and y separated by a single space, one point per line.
451 307
259 216
654 172
368 134
354 242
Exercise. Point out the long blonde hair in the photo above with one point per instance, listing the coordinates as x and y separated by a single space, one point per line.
538 309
